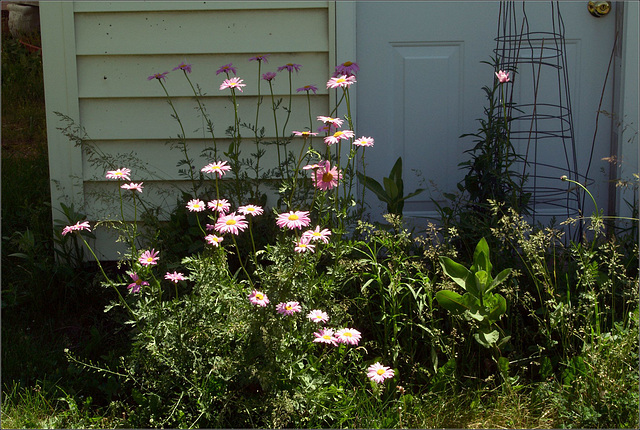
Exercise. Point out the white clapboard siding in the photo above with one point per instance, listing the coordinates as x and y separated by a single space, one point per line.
97 57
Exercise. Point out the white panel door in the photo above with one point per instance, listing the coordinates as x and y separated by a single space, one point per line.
420 87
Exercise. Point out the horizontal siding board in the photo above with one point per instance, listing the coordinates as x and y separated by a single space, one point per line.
151 6
142 118
126 76
157 160
197 32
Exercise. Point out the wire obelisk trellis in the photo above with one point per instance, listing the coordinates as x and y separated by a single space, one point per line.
540 107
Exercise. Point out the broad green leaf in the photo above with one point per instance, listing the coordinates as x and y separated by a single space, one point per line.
482 279
499 279
392 189
503 365
498 308
396 171
451 301
455 271
481 256
373 186
487 339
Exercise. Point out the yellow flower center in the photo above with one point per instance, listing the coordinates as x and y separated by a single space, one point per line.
341 80
293 217
259 296
288 307
317 233
149 259
138 281
348 334
380 371
326 336
348 63
327 177
319 317
231 222
337 134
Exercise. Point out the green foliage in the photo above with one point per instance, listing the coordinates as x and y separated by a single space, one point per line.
393 192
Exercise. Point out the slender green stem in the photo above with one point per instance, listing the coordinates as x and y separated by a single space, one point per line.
240 260
256 133
205 116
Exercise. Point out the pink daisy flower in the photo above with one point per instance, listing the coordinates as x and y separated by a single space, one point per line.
268 76
233 83
291 219
213 239
219 168
343 81
262 57
317 234
303 246
340 134
326 128
348 335
183 66
231 223
137 283
174 277
119 174
348 68
337 122
304 134
378 373
290 67
502 76
196 205
311 167
226 69
149 258
326 336
326 177
318 316
288 308
158 76
221 206
308 88
363 141
258 298
133 187
84 225
251 210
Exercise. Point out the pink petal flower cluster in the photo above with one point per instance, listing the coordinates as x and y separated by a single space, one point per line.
349 336
119 174
226 69
219 168
159 76
326 177
290 67
84 225
317 234
308 88
293 219
337 136
251 210
174 277
262 57
137 283
378 373
269 76
133 187
288 308
335 122
233 83
258 298
348 68
342 81
221 205
183 66
326 336
213 239
149 258
196 205
502 76
304 134
303 245
363 141
231 223
318 316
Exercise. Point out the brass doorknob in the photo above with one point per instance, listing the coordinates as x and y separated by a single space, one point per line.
599 8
